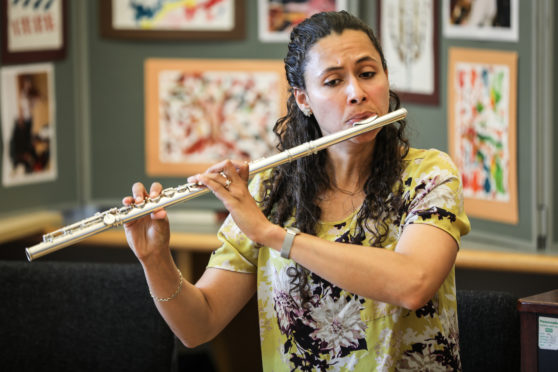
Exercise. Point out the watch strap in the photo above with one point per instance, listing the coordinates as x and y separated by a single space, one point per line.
288 242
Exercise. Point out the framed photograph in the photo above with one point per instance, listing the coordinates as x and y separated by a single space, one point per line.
28 124
33 31
276 19
199 112
485 20
172 20
408 32
482 88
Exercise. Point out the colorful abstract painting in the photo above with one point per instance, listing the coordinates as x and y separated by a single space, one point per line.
482 110
173 14
202 112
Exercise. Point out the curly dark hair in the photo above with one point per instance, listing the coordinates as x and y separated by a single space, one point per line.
294 187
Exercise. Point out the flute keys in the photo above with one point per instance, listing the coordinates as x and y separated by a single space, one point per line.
155 199
183 188
109 219
168 193
125 209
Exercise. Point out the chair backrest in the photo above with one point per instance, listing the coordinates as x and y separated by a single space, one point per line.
58 316
489 331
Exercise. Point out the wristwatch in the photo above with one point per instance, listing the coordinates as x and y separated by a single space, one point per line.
288 242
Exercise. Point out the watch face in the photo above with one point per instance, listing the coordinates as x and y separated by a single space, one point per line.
293 230
288 242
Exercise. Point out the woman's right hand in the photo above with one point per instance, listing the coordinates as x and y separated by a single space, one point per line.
148 236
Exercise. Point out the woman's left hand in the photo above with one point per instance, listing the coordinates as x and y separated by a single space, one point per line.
228 180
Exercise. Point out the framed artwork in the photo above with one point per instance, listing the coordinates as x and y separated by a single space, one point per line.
276 19
28 124
482 88
485 20
408 32
33 31
199 112
172 20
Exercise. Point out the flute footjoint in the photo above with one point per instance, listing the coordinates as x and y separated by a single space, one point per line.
113 217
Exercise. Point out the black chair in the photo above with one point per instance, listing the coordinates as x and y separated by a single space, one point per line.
58 316
489 333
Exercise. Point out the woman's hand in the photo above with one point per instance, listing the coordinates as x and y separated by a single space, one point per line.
148 236
228 180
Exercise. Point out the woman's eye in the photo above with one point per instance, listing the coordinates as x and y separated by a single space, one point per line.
368 74
331 83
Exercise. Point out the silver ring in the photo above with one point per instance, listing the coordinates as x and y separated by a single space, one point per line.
228 182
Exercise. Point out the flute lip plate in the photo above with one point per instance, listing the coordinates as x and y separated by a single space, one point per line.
365 121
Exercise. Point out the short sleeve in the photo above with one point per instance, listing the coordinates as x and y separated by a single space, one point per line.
433 194
237 252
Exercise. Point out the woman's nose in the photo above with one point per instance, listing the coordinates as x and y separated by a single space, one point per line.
355 92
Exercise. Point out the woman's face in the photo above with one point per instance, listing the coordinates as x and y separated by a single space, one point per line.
345 82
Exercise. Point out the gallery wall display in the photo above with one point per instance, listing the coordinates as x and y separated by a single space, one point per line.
485 20
482 88
276 19
408 31
173 20
28 124
199 112
33 31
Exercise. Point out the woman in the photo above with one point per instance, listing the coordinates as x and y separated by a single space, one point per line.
329 300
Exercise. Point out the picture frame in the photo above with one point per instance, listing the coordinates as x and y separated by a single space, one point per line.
482 20
412 57
33 32
201 111
222 20
277 19
482 135
28 108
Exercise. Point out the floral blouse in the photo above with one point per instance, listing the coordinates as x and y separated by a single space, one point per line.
341 331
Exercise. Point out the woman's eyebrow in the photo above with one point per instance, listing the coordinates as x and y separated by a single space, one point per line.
366 58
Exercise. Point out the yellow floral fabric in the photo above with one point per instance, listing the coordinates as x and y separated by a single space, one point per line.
341 331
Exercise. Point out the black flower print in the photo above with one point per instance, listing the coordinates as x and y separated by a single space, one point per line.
322 334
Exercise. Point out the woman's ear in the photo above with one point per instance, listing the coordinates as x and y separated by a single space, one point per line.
302 101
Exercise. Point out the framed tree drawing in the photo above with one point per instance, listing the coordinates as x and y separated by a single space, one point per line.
482 88
408 32
33 31
199 112
172 20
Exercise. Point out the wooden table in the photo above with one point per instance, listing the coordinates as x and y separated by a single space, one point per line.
185 242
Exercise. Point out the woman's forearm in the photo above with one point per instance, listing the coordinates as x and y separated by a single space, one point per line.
198 312
188 313
408 276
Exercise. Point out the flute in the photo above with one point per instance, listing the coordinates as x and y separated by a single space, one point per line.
113 217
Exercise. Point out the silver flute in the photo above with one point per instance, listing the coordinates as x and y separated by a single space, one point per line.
113 217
